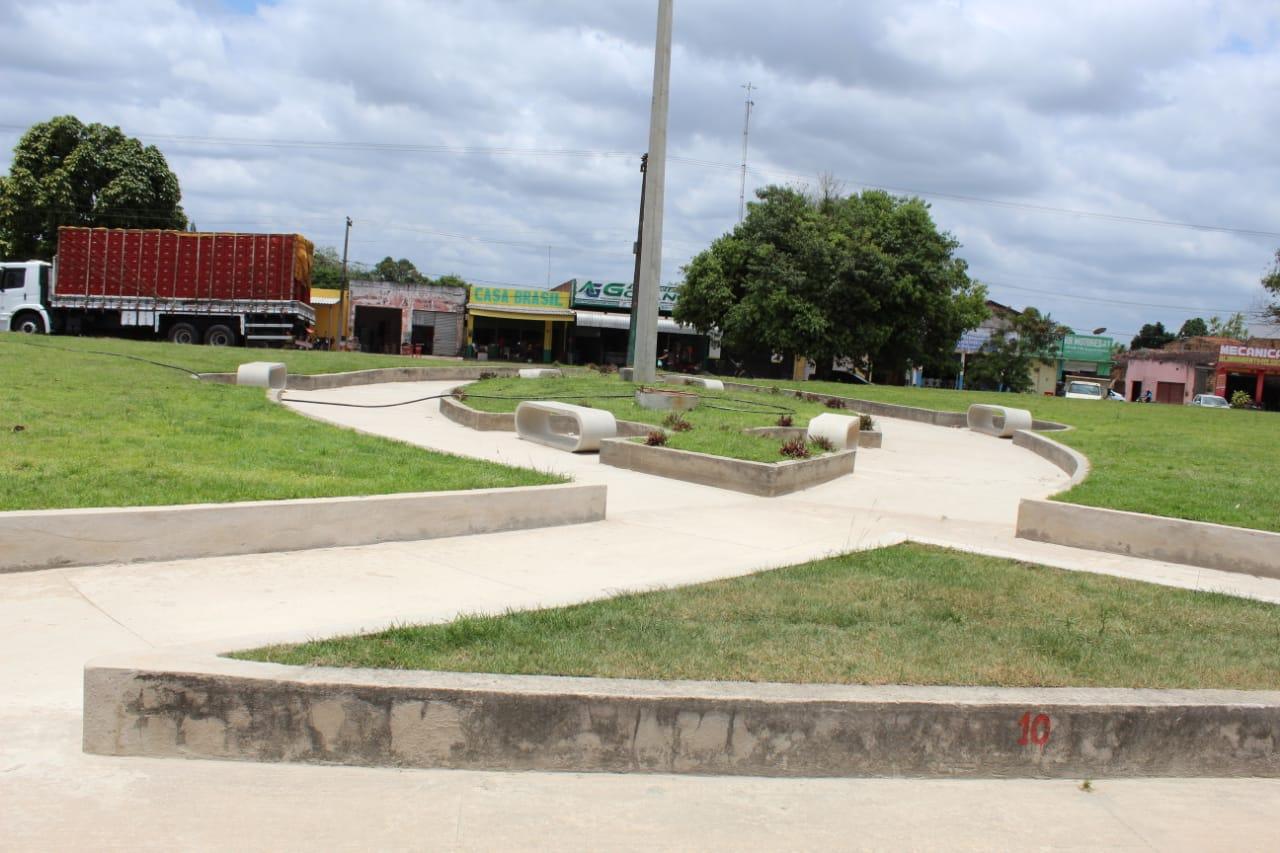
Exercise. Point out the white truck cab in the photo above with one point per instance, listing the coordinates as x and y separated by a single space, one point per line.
24 293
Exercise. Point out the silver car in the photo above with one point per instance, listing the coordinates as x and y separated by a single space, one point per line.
1210 401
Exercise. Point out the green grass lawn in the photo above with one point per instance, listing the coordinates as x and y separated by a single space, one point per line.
718 422
84 430
1180 461
201 359
910 614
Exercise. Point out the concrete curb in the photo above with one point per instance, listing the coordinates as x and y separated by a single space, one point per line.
867 438
43 539
765 479
1072 462
1151 537
159 705
322 381
462 414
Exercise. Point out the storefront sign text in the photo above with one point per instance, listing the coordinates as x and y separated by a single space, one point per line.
515 297
593 294
1249 356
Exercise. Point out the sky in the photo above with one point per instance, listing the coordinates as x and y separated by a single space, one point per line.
1112 163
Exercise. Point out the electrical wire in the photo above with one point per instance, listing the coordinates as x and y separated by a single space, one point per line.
186 370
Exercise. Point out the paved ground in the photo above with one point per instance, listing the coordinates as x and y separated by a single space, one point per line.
940 485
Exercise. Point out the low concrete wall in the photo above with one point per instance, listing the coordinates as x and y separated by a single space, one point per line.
72 537
867 438
766 479
463 414
320 381
1152 537
1072 462
150 705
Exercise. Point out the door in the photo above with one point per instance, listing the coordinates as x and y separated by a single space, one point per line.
1170 392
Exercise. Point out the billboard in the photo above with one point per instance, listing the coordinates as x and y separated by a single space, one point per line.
1087 348
973 341
511 297
594 294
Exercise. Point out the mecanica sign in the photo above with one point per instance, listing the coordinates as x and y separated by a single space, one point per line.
1246 356
594 294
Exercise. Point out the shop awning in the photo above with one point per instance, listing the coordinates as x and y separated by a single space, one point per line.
325 300
554 315
605 320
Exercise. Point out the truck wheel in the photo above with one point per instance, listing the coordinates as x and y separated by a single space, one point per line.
183 333
29 323
220 336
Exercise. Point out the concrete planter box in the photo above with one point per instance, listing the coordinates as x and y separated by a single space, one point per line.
190 706
766 479
52 538
321 381
461 413
867 439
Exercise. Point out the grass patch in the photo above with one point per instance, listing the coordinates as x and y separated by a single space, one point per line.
82 430
909 614
1180 461
716 425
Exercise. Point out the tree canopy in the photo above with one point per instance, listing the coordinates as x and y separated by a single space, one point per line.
1193 328
1151 336
1232 327
867 275
1006 360
402 271
65 172
1271 283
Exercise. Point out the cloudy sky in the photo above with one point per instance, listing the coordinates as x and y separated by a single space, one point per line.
1111 162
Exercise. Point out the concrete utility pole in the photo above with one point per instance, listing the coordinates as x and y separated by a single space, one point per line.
344 297
635 278
646 301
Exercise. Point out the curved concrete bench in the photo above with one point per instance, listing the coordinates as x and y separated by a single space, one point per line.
841 430
695 381
543 422
1001 421
262 374
540 373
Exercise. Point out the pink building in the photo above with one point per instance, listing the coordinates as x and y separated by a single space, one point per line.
1171 377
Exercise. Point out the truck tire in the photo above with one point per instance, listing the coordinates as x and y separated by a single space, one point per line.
219 335
183 333
29 323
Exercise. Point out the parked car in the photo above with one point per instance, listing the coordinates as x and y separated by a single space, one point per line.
1083 391
1113 394
1209 401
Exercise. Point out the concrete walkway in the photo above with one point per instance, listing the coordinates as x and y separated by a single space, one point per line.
946 486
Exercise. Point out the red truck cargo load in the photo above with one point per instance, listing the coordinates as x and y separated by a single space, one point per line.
181 265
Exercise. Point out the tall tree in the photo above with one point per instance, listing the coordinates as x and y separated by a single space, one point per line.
1271 283
1006 360
326 268
65 172
1193 328
1233 327
402 271
830 277
1151 336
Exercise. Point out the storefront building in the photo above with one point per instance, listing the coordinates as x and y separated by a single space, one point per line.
331 307
1253 368
1085 355
513 324
1171 376
603 321
386 317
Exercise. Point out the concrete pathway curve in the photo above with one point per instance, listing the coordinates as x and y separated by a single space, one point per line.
931 484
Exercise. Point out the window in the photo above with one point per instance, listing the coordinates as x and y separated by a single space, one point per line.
15 278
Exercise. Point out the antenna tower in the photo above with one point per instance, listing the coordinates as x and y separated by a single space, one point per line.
746 130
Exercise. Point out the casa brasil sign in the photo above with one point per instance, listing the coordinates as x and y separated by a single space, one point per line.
593 294
1231 354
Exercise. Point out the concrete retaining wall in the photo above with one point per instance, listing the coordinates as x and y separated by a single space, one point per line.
1072 462
219 708
1153 537
320 381
766 479
463 414
867 438
72 537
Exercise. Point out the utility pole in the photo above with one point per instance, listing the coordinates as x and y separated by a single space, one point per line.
746 130
635 277
344 298
646 301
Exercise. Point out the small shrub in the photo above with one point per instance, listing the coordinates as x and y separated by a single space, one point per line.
1241 400
487 374
677 422
835 403
608 369
458 394
865 422
784 420
775 389
591 365
823 443
796 448
656 438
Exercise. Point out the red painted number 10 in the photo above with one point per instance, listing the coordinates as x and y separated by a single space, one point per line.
1034 731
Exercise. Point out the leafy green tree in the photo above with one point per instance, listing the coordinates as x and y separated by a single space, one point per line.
1006 360
1271 283
868 275
1193 328
402 271
326 268
65 172
1151 336
1233 327
451 280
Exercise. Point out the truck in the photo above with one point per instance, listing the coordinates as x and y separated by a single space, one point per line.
221 289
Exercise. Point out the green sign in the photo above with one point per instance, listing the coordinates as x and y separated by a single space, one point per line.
509 297
1087 348
593 294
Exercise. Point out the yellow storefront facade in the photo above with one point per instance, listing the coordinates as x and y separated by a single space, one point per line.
515 324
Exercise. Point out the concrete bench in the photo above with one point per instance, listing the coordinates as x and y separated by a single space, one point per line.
695 381
540 373
262 374
841 430
564 426
1001 421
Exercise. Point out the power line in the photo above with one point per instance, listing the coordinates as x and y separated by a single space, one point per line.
1060 295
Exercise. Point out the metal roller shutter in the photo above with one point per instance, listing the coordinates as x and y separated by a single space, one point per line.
445 323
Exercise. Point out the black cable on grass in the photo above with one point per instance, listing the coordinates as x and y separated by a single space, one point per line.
285 399
185 370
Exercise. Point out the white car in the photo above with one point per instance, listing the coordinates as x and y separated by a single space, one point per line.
1210 401
1083 391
